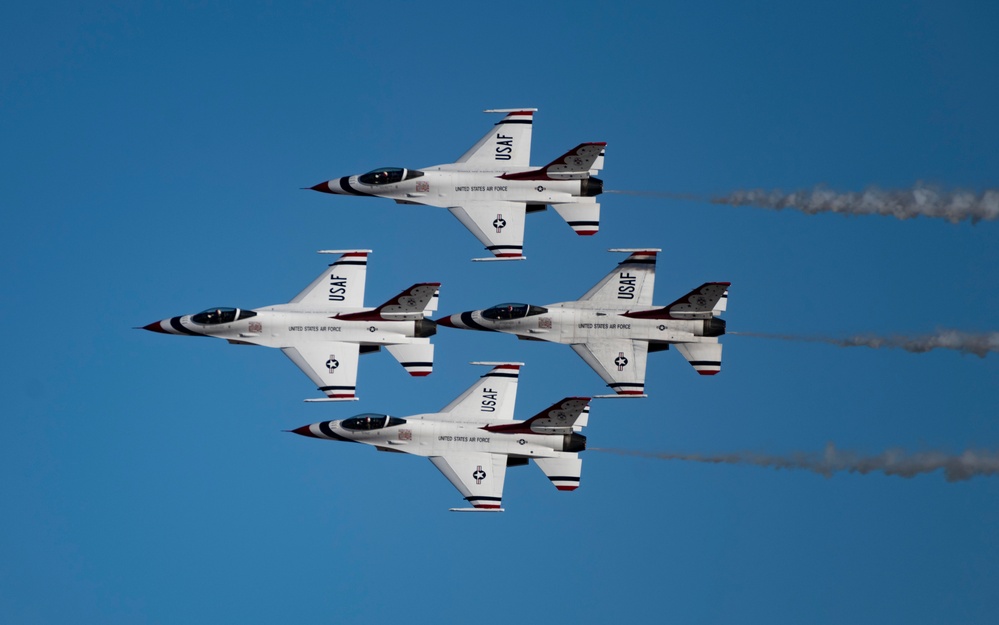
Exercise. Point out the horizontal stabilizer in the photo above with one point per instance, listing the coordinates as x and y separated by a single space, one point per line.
582 217
704 357
575 164
431 306
722 304
701 303
599 163
563 472
417 358
408 305
558 418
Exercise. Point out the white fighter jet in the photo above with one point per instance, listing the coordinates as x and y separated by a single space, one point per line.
614 325
326 327
492 186
474 439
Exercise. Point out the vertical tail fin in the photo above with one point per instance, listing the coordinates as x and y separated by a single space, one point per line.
508 144
339 286
493 396
631 283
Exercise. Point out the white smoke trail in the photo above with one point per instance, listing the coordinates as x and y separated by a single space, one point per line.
921 200
978 344
954 206
895 462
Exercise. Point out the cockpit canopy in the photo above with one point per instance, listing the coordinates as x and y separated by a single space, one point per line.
512 310
215 316
388 175
371 421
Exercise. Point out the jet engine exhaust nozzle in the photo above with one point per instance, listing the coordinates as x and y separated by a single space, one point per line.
574 442
424 328
592 187
714 327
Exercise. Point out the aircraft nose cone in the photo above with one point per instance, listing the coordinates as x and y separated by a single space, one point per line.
445 321
303 431
156 326
322 187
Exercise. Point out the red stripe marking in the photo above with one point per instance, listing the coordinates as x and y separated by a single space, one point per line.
585 233
508 255
566 487
708 371
486 505
629 392
419 373
514 367
528 113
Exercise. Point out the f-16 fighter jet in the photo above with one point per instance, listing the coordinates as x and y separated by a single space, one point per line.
614 325
492 186
474 439
326 327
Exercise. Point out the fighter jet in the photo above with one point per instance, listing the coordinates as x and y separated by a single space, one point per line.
614 325
474 439
326 327
492 186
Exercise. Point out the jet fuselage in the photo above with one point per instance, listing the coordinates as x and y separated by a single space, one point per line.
422 435
443 187
275 326
567 323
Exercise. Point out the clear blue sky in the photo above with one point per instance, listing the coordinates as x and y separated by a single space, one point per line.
153 156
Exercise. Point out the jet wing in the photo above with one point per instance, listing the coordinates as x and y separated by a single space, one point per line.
477 475
339 286
621 363
498 225
331 365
